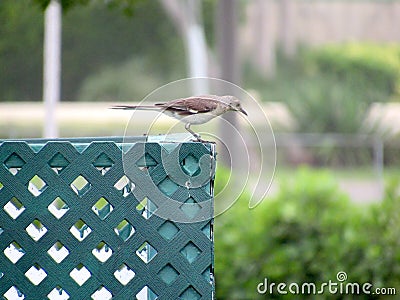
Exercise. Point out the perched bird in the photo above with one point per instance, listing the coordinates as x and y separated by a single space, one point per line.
193 110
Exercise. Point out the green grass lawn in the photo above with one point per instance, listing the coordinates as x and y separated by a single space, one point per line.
362 172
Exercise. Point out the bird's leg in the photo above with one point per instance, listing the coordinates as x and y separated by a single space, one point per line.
187 127
196 135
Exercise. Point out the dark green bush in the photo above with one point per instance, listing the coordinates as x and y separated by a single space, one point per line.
373 65
122 82
330 89
340 82
324 103
308 233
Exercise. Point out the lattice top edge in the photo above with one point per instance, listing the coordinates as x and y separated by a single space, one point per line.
81 143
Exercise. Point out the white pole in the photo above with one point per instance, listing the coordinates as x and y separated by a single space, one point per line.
52 67
196 47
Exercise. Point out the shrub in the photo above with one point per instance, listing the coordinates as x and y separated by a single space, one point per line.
383 250
326 104
124 82
308 233
340 82
367 65
329 89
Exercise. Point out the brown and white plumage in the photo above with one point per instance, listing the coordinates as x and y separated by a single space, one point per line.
193 110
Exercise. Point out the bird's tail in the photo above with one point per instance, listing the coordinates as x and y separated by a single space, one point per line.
138 107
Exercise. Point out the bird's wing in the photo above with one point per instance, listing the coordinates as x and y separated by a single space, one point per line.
191 105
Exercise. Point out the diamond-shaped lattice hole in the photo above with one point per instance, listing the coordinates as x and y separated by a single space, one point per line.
58 293
208 275
124 230
102 208
102 252
58 163
190 294
80 274
190 252
103 163
145 162
14 252
190 165
14 208
124 186
207 230
1 186
14 163
190 207
146 252
14 293
37 185
80 230
167 186
101 294
168 230
124 274
80 185
168 274
146 294
36 230
58 252
58 208
36 274
146 207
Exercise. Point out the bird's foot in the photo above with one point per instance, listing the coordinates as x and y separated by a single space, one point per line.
197 138
195 135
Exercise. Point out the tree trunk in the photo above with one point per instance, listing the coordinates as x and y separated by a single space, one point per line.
287 27
227 50
186 15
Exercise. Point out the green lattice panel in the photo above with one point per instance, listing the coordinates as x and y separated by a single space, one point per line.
73 225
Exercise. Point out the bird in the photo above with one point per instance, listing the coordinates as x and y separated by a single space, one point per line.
193 110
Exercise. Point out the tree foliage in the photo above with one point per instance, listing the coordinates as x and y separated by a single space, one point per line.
65 4
126 5
97 38
21 47
94 38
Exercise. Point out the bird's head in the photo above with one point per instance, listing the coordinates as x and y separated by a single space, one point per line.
234 104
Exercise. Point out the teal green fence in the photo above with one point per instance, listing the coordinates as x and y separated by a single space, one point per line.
106 219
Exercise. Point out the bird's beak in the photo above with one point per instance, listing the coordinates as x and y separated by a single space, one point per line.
242 111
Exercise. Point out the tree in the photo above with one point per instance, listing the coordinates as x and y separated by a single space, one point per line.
20 50
95 38
126 5
186 15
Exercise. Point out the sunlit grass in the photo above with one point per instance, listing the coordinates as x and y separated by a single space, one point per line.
359 172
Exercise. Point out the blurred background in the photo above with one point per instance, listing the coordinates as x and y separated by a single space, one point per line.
326 73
